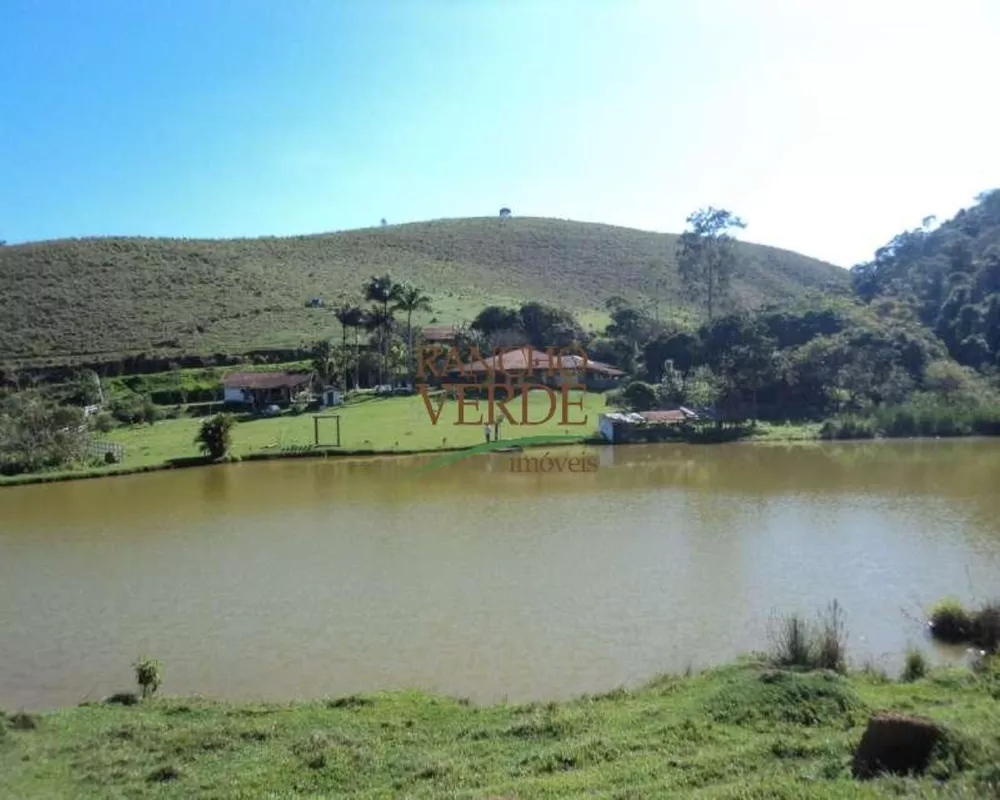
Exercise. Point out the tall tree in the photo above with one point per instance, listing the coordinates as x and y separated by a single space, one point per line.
411 299
350 316
706 256
383 291
548 326
324 363
379 323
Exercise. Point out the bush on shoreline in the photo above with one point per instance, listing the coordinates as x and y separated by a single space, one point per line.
925 415
849 426
952 623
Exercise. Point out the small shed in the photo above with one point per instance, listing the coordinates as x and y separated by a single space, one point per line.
622 426
331 396
260 389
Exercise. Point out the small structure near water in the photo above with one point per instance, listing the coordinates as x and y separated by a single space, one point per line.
331 396
704 425
643 425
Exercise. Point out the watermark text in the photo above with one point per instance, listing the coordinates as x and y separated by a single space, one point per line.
548 463
485 389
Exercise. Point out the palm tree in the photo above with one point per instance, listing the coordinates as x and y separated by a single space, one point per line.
411 299
384 291
350 315
379 322
323 361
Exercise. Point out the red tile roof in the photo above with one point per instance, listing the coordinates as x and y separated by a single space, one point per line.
517 361
511 361
439 333
265 380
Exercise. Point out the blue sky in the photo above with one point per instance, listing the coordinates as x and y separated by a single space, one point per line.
829 127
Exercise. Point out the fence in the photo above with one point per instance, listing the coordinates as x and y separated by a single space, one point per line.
99 448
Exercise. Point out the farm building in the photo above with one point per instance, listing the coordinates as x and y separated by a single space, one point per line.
261 389
439 334
643 425
540 367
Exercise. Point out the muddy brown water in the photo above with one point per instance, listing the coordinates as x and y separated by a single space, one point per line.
304 578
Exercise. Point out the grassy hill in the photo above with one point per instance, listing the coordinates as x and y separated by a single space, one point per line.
101 299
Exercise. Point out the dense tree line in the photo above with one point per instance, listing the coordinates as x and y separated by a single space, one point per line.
916 347
950 276
532 323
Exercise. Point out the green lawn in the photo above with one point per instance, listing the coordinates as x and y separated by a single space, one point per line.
743 731
370 423
789 432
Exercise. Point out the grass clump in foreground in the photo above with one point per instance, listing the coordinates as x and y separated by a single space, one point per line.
745 730
798 642
915 666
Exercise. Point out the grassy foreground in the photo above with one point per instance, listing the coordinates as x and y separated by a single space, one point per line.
744 731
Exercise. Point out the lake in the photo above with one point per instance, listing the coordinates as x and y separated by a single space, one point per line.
307 578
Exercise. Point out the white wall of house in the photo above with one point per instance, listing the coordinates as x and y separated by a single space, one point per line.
233 395
606 427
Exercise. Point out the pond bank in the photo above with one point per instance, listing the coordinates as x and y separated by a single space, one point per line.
743 729
197 461
765 434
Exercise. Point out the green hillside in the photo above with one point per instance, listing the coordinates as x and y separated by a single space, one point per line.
950 276
97 299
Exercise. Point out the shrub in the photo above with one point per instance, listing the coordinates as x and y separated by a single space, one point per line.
928 415
950 622
122 699
148 675
832 639
986 627
640 396
215 436
822 645
22 721
103 422
849 426
150 412
915 666
790 641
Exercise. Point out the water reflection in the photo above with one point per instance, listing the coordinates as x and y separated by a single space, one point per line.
305 577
